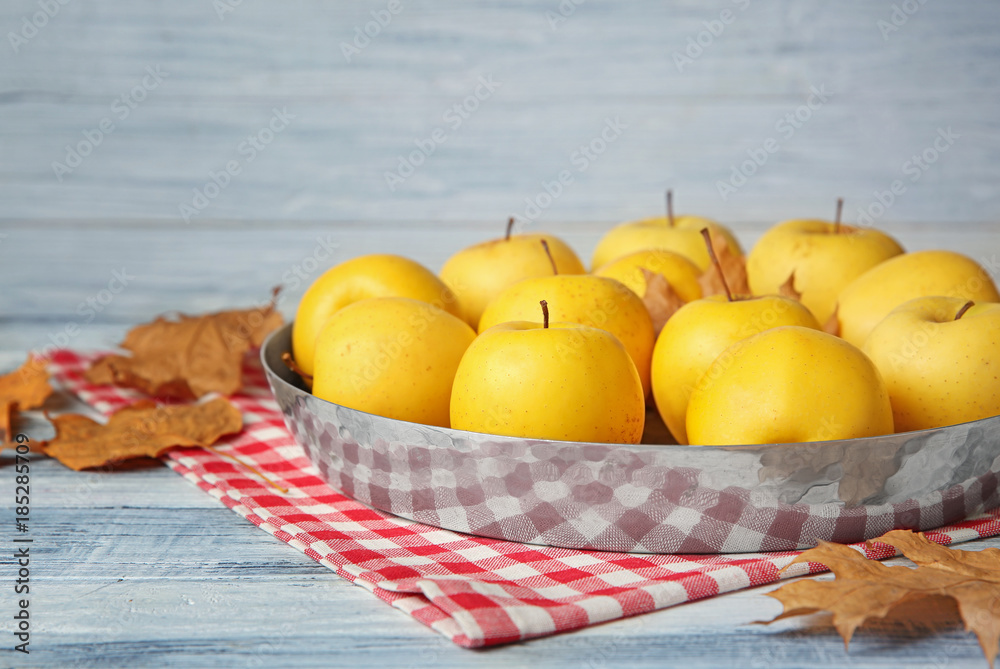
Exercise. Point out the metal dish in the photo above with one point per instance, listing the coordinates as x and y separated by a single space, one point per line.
645 498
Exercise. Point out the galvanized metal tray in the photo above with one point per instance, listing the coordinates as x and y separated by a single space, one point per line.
644 498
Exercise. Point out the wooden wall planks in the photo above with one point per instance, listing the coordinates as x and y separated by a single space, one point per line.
888 97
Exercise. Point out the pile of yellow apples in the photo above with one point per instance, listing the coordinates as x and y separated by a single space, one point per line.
834 333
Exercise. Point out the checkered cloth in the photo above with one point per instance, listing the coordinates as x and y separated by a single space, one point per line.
475 591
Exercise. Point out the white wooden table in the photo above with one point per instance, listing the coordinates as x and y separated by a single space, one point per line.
140 568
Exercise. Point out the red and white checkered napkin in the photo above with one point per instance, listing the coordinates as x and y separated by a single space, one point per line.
475 591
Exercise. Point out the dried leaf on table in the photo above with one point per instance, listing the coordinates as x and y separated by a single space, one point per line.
661 300
25 388
734 268
189 356
787 289
866 588
140 430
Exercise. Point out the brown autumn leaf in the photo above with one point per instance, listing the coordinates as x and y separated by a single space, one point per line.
734 268
660 299
866 588
189 356
832 325
787 289
139 431
27 387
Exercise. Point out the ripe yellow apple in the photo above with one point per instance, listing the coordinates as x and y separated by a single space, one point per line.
695 336
939 371
678 270
869 298
683 237
789 384
393 357
378 275
566 381
824 256
585 299
479 273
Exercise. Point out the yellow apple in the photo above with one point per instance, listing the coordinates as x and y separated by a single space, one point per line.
678 270
681 234
789 384
378 275
695 336
479 273
393 357
869 298
563 381
939 370
585 299
683 237
825 256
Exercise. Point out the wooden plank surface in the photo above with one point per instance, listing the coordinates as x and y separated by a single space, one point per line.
140 568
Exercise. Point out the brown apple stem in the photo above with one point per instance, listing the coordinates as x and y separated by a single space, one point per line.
836 219
715 262
290 363
545 245
510 227
965 307
545 313
670 207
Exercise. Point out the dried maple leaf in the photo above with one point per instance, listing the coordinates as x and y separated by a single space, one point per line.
188 357
27 387
787 289
734 268
140 430
866 588
660 299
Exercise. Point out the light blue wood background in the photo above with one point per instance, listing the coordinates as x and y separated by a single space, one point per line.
889 96
143 569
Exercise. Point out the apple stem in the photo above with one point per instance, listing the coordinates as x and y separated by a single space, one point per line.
545 313
715 261
290 363
670 207
836 219
510 227
545 245
965 307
